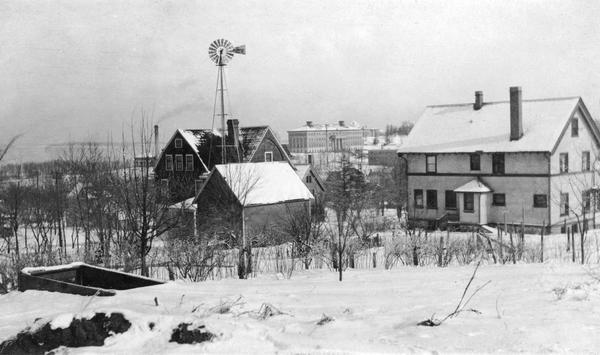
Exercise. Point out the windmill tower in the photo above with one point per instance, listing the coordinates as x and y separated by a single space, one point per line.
221 51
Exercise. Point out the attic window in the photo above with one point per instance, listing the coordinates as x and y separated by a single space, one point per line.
268 156
178 143
574 127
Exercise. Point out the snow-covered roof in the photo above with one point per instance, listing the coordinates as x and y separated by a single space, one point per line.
187 204
263 183
460 128
474 185
302 169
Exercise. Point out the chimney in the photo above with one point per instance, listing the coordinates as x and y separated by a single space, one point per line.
233 132
478 100
308 123
341 123
156 147
516 114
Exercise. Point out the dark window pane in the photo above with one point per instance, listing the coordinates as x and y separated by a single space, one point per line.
450 200
432 199
498 163
499 200
475 162
469 202
574 127
540 200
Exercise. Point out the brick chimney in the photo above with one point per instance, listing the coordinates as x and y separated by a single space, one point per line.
516 114
233 132
478 100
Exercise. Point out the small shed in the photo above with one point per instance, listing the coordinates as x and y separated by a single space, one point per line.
250 198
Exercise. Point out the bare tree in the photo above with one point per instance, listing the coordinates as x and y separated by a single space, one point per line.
347 195
142 205
306 230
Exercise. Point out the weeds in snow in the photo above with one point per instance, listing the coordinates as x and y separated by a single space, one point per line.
462 304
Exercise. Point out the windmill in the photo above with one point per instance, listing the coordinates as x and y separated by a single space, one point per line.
221 51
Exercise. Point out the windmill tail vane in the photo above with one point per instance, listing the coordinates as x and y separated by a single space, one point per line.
240 49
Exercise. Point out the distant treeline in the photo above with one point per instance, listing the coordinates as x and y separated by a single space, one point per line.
403 129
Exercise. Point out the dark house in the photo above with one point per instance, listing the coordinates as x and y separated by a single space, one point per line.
192 153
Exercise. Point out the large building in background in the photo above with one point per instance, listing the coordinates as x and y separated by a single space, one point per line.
517 162
325 145
312 138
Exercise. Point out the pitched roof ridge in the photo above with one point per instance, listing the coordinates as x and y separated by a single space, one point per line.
507 101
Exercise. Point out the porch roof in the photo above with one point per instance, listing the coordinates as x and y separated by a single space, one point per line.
474 185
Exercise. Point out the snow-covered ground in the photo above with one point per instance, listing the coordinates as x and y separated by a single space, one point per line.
551 307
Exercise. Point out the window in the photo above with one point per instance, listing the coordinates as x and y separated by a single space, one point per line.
432 199
168 162
564 204
586 200
469 203
431 163
475 161
564 162
189 162
499 199
498 163
178 143
310 159
574 127
418 198
585 161
268 156
540 201
178 162
450 200
309 179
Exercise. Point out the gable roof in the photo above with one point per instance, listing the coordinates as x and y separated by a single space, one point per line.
460 128
261 183
474 185
206 143
251 137
303 169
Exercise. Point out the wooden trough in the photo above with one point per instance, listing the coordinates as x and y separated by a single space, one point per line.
81 279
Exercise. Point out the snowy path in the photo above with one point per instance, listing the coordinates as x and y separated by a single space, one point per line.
374 311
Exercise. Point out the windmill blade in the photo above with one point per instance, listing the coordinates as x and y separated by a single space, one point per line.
240 49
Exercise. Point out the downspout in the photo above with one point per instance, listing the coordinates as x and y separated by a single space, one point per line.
406 169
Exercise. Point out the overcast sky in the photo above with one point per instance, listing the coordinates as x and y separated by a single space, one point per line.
80 70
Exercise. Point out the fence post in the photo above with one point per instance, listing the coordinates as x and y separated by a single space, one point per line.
582 233
374 260
501 247
572 234
441 251
542 241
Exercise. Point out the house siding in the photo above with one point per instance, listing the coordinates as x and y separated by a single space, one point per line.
529 176
181 183
269 144
576 180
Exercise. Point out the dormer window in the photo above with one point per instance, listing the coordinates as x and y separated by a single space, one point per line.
574 127
178 143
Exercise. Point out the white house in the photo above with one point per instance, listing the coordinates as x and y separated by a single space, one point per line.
516 161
